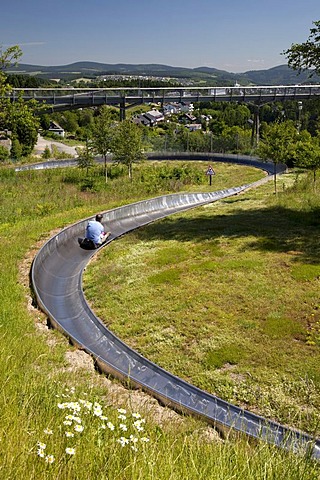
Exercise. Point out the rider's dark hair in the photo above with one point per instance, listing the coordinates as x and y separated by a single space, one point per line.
99 217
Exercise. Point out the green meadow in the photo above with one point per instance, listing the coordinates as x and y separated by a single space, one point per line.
225 296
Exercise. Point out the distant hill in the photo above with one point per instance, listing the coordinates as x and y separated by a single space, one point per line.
280 75
92 69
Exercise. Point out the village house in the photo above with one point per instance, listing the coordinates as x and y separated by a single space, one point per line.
193 127
150 118
189 118
186 107
154 116
171 109
55 128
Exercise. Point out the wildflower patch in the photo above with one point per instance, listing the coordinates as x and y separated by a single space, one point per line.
82 422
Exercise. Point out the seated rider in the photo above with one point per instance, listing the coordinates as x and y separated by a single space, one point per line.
95 231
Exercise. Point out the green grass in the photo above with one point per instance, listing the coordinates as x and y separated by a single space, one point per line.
35 374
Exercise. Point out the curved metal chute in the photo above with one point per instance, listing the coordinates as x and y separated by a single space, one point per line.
57 282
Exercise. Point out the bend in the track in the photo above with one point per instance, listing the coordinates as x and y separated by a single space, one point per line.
57 282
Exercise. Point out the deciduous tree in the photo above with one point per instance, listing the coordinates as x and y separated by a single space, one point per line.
307 154
102 135
127 145
24 124
278 144
306 55
9 56
85 157
18 117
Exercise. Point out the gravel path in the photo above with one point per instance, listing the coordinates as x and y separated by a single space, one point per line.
42 143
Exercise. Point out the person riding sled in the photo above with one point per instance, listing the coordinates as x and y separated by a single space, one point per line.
95 234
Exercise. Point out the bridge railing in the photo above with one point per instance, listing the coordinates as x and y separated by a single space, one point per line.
55 99
216 93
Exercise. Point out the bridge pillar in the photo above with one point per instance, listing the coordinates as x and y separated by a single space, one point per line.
255 126
122 109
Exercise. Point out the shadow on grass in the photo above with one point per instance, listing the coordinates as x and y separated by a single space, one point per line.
275 229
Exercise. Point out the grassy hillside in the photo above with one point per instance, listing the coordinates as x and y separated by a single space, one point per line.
59 417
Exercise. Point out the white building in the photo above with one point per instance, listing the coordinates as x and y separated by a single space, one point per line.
55 128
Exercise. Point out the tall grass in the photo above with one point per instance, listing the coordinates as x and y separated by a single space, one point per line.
35 375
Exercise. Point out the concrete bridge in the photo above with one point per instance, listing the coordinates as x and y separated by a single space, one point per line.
58 99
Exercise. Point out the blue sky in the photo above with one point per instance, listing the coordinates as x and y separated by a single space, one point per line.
225 34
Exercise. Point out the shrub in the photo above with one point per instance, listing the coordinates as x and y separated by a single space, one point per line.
4 154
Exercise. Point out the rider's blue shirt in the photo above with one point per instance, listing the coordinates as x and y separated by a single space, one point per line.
94 230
